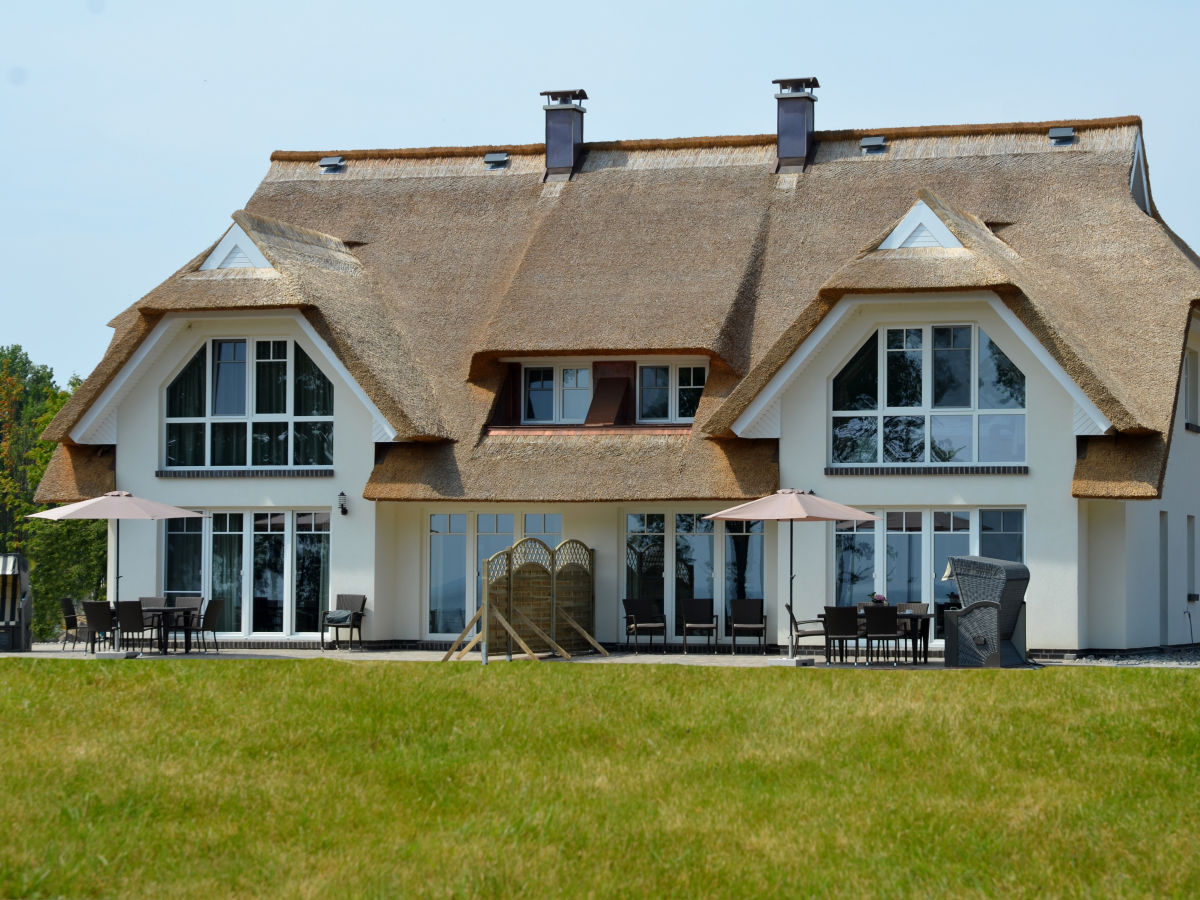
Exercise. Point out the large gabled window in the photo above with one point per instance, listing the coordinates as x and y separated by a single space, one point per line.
249 403
930 394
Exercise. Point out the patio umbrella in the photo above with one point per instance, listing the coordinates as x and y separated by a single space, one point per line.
789 505
117 505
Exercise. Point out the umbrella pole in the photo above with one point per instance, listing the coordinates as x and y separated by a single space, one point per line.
117 591
791 578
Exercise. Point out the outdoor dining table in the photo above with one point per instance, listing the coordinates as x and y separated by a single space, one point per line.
165 614
919 635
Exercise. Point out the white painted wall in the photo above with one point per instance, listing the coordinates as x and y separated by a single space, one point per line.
1052 523
140 453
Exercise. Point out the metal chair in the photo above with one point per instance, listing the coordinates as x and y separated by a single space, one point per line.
100 623
912 628
882 627
697 614
746 615
207 622
355 605
796 629
136 625
71 625
841 626
184 620
644 616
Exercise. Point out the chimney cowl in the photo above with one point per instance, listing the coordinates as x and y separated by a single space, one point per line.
564 132
794 118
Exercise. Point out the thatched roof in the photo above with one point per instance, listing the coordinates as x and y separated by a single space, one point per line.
423 269
76 472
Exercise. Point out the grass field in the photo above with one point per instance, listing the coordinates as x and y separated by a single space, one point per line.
327 778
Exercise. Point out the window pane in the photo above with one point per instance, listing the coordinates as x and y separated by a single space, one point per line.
1002 534
1002 438
447 575
268 444
312 576
185 395
904 378
181 567
539 395
487 544
950 438
855 439
855 567
945 593
644 556
691 386
267 612
229 378
227 570
904 439
856 386
743 565
1001 384
951 367
575 402
654 399
903 565
693 572
228 444
313 443
270 386
314 392
185 443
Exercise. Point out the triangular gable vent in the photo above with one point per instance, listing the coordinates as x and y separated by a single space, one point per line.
920 228
235 251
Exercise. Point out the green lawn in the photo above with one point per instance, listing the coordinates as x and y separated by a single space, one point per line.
327 778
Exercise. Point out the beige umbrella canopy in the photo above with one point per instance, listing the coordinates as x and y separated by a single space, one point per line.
790 505
117 505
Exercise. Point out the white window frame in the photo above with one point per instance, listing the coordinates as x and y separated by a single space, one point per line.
1191 387
251 417
559 387
926 410
672 366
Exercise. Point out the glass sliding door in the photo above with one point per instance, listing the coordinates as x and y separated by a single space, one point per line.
183 573
227 550
904 561
645 558
493 533
743 564
693 563
447 573
270 538
854 562
311 594
951 537
546 528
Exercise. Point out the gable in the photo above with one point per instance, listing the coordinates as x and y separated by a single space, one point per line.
920 228
235 251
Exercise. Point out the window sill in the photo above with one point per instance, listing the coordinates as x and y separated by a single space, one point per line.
1192 427
244 473
974 469
587 429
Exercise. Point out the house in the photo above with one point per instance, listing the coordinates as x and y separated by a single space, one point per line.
396 363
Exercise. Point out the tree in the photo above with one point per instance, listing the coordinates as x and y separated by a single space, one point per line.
66 559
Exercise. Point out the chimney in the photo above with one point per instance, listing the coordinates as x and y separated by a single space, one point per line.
564 132
794 140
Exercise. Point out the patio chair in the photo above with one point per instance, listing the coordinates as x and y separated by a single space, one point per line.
348 614
71 625
912 628
841 626
207 621
989 631
644 616
100 623
184 620
796 629
135 624
882 627
746 616
698 615
16 605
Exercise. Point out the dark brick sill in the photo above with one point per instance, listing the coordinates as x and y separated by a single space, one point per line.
243 473
1192 427
927 470
507 430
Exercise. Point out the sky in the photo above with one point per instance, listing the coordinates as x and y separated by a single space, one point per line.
134 129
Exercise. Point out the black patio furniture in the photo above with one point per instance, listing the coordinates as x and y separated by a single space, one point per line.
911 626
188 609
72 627
139 625
101 623
206 622
644 616
882 627
16 604
841 626
746 616
698 615
989 631
797 629
347 614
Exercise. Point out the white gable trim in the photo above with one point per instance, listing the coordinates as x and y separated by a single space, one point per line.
909 232
762 418
99 424
235 251
1139 180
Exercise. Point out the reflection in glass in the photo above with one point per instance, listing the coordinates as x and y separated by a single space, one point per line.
854 556
268 444
312 570
539 394
856 386
655 382
576 394
951 537
952 366
185 395
185 443
182 566
903 557
693 562
313 395
1001 383
950 438
493 533
1001 438
904 381
267 613
743 563
645 547
691 386
229 378
270 377
313 443
1002 534
854 439
227 569
228 444
903 438
447 573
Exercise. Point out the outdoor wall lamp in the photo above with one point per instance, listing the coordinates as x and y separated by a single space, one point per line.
343 505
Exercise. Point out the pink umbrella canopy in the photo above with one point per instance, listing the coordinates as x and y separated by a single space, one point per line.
117 505
790 505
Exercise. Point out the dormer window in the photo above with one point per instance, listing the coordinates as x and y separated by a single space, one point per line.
598 392
555 394
669 393
928 394
249 403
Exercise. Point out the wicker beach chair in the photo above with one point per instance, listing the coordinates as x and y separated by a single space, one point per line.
989 631
16 604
